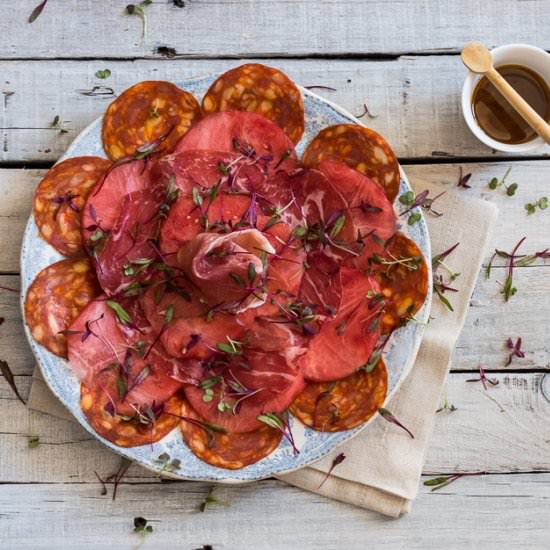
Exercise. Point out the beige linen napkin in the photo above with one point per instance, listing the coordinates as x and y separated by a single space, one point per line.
383 464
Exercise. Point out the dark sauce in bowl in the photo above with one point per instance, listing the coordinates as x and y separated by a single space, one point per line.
495 115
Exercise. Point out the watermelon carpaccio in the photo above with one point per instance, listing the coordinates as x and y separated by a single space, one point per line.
230 272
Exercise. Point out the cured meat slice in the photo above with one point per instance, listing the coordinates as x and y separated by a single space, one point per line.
343 404
123 230
360 148
226 450
321 284
114 339
102 209
148 111
256 88
368 214
55 298
240 385
346 341
402 274
247 134
144 427
59 200
187 326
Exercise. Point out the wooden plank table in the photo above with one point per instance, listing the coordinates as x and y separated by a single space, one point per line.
399 57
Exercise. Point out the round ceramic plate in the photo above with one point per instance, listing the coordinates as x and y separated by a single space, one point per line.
399 355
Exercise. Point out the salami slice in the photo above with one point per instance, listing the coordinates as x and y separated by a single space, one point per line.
256 88
346 341
239 387
247 134
226 450
114 340
343 404
145 427
59 199
55 298
360 148
402 274
147 112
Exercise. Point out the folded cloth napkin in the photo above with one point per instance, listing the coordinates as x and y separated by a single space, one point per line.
383 464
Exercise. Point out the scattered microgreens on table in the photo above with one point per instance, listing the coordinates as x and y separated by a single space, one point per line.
10 379
437 483
514 260
422 200
33 441
366 113
440 283
446 406
142 529
103 74
115 478
389 417
166 464
211 500
484 379
514 350
37 11
463 179
338 459
137 9
495 183
58 124
178 3
541 204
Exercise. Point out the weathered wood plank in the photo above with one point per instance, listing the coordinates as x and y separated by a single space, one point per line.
512 508
242 28
503 429
416 99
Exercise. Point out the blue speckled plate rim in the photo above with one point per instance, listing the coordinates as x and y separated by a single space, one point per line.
288 462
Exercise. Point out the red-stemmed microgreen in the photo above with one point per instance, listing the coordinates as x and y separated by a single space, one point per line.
338 459
495 183
514 350
280 422
437 483
463 179
37 11
10 379
121 313
208 427
366 112
389 417
440 283
446 406
115 478
422 200
484 379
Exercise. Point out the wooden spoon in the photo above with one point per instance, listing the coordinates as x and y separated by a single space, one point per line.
478 59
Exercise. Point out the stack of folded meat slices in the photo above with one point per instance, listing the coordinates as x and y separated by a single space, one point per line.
215 281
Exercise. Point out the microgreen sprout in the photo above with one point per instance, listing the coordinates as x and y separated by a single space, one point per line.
484 379
389 417
495 183
211 500
338 459
514 350
541 204
437 483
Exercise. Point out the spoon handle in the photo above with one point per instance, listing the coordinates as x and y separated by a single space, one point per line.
520 105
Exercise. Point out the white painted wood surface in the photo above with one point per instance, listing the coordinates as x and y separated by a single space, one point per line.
415 99
375 51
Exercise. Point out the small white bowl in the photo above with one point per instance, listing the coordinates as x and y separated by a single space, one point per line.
512 54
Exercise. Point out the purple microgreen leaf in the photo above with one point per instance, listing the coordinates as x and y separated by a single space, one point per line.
389 417
338 459
10 379
37 11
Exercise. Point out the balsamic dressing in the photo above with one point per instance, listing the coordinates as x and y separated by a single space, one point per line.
495 115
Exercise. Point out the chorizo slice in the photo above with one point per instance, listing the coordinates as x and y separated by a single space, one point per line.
59 200
402 275
344 404
360 148
256 88
148 111
144 427
223 449
56 297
